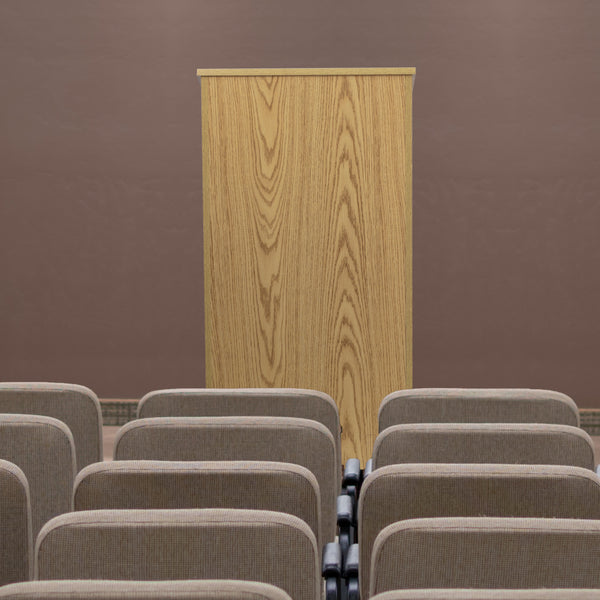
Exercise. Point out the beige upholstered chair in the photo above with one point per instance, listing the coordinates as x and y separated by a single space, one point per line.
400 492
257 402
458 405
16 563
466 594
482 552
281 439
75 405
264 546
280 487
484 443
42 447
209 589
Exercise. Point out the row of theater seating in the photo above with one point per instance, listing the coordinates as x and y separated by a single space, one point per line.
79 408
246 590
304 482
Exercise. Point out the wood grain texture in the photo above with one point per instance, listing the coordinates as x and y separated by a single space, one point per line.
308 260
368 71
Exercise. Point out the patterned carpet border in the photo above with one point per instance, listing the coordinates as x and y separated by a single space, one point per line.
590 420
118 412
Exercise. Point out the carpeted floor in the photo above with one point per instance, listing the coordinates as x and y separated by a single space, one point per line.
108 438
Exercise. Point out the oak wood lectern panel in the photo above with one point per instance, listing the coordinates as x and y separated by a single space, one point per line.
307 179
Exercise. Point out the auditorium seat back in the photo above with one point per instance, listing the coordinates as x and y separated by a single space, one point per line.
400 492
290 440
141 484
256 402
16 560
485 552
484 594
79 589
75 405
484 443
42 447
264 546
472 405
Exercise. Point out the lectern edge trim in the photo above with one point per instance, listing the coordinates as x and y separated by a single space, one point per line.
305 71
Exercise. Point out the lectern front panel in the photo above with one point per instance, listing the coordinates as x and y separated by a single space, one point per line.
307 248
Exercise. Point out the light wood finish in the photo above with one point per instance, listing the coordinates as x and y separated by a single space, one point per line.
308 252
304 72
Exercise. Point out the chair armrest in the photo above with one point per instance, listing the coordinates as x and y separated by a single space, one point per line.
346 509
332 570
368 469
351 473
332 560
351 564
351 572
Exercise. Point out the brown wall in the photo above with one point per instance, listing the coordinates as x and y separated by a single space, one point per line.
100 208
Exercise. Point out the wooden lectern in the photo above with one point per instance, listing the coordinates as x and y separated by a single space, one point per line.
307 183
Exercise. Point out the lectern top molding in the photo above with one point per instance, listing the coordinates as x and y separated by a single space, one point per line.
305 72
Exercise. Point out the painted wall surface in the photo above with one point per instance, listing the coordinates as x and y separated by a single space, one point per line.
100 180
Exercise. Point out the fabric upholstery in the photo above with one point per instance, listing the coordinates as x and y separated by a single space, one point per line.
257 402
281 439
458 405
43 448
279 487
209 589
16 562
466 594
399 492
265 546
482 552
75 405
484 443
